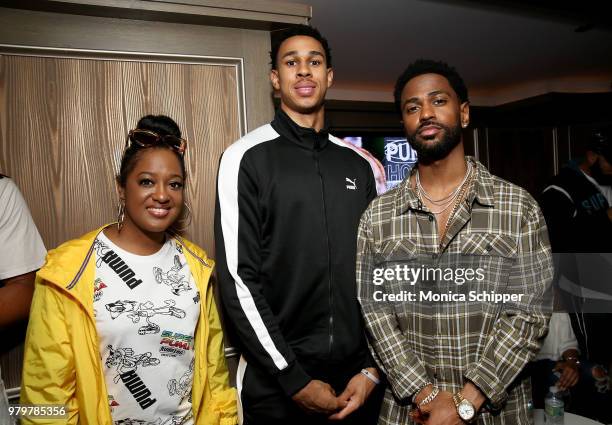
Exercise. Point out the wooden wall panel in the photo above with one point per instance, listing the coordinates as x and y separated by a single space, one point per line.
64 123
40 29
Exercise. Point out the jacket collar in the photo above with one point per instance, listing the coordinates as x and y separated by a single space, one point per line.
66 265
481 191
307 138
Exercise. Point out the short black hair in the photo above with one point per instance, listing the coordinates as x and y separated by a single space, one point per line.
427 66
279 36
159 124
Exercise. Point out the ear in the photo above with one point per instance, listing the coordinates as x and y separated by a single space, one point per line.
275 79
465 114
330 77
120 190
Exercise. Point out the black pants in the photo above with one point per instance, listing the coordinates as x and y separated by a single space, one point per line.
265 403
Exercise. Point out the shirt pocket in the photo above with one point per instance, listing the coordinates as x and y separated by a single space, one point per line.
488 244
491 256
394 255
394 250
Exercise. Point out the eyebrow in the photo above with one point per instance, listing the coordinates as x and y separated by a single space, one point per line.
430 94
295 52
155 174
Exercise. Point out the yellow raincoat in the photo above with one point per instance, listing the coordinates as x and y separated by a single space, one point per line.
62 362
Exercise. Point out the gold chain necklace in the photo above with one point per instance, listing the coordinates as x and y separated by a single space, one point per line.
466 184
445 202
451 196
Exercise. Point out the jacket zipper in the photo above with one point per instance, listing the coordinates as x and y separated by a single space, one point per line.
329 265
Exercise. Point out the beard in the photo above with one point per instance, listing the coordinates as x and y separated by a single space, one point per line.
430 152
598 174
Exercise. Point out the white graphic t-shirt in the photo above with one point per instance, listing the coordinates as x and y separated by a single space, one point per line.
146 310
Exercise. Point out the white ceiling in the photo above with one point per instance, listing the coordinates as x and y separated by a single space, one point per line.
503 54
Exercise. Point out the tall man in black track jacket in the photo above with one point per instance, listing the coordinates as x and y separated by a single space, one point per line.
289 199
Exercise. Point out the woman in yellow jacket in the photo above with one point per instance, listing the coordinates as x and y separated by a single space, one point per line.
123 326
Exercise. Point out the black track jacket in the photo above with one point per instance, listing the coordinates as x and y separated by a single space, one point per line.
289 202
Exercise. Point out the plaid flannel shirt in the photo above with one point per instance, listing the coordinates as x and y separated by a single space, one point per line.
499 227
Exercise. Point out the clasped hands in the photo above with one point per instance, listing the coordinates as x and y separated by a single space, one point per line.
319 397
440 411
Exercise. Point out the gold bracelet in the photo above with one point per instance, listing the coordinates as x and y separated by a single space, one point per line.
414 396
432 395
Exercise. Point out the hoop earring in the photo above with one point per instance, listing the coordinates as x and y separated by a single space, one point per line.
120 214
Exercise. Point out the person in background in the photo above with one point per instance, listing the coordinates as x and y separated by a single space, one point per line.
377 167
289 197
124 327
22 252
577 205
557 362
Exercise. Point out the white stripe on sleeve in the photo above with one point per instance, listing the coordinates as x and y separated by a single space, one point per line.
228 204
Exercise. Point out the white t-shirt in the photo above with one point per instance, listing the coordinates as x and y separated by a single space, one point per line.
22 249
560 338
146 309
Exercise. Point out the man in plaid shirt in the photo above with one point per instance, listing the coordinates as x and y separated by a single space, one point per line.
453 270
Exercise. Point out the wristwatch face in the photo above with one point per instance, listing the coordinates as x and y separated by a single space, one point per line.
465 410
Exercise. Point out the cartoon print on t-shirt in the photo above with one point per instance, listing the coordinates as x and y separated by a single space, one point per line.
146 310
101 249
98 287
112 403
174 344
178 282
182 387
124 360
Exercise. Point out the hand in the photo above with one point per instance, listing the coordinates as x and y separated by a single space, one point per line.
418 416
442 410
610 213
569 374
355 394
473 394
318 397
602 378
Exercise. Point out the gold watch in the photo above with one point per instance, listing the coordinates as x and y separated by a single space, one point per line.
465 409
